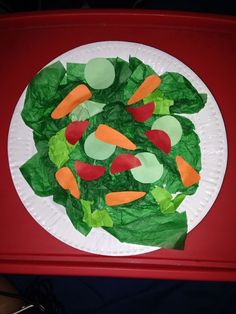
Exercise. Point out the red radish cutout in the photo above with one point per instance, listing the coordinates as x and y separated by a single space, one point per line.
88 172
160 139
75 130
143 112
124 162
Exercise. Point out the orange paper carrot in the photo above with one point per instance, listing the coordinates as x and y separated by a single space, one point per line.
148 86
111 136
188 174
118 198
78 95
66 179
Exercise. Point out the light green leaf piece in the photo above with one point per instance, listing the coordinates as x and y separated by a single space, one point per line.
101 218
99 73
86 206
86 110
96 149
167 207
161 194
171 126
162 105
178 200
150 170
157 94
164 198
59 148
98 218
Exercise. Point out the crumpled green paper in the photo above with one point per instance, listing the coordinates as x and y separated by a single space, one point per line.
59 148
144 221
166 202
97 218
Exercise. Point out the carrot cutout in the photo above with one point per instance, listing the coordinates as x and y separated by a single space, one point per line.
111 136
189 176
87 171
118 198
147 87
124 162
75 97
143 112
75 130
66 180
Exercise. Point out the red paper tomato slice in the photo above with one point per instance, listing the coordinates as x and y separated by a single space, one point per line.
75 130
88 172
143 112
124 162
160 139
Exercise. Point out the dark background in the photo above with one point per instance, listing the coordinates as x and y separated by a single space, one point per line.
74 295
226 7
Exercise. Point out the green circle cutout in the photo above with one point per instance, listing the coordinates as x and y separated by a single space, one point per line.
99 73
97 149
171 126
150 170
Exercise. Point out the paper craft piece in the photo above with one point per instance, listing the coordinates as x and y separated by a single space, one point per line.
178 200
124 197
75 130
189 176
160 139
97 218
87 171
171 126
86 110
75 97
67 181
161 194
96 149
147 220
59 149
148 86
124 162
150 170
143 112
99 73
111 136
162 105
165 201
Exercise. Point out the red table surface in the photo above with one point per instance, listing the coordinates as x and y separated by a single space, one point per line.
206 43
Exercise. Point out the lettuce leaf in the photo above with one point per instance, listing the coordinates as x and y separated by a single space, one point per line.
39 173
75 213
59 149
42 96
97 218
186 98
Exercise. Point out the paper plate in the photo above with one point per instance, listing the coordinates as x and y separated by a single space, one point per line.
209 126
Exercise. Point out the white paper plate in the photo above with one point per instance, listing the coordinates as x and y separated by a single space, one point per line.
209 126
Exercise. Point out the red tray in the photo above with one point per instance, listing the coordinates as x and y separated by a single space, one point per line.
206 43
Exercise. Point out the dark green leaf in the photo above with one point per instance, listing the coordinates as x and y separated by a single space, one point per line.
186 98
42 95
39 173
75 213
75 72
168 231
